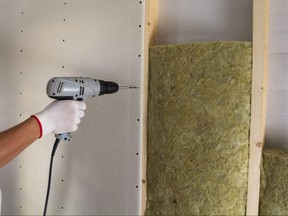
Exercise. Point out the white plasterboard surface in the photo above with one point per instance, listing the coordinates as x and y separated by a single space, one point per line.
184 21
98 172
277 101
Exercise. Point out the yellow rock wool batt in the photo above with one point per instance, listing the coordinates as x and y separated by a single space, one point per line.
198 128
274 183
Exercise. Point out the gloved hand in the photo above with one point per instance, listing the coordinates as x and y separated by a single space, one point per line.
60 117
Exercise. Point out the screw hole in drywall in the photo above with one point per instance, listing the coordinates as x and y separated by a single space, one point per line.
63 66
65 3
20 188
140 26
138 119
140 2
137 153
22 12
62 180
139 55
20 206
136 186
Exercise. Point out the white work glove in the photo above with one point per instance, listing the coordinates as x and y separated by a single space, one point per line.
60 117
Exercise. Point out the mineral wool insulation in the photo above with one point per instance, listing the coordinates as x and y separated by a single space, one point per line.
199 116
274 183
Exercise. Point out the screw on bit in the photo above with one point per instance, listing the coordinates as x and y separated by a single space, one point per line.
128 87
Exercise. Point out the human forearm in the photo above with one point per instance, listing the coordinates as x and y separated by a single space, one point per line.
58 117
14 140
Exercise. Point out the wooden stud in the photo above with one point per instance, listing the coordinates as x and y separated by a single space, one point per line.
259 98
150 38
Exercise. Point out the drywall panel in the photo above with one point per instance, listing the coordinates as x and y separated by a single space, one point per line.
182 21
98 172
277 101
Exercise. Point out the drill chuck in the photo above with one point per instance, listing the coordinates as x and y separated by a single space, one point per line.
107 87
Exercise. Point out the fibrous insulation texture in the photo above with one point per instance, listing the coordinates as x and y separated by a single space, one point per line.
198 128
274 183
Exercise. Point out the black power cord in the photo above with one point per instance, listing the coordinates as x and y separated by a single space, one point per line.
50 174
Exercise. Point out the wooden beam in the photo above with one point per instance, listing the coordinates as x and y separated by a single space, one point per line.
150 38
258 106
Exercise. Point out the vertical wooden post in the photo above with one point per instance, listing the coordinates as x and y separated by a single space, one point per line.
150 38
258 106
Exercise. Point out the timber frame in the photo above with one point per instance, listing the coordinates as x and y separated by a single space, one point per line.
258 102
150 37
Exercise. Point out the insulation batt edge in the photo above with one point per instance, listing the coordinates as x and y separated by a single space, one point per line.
274 182
198 128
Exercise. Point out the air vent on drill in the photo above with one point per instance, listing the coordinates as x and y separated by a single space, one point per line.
60 86
81 90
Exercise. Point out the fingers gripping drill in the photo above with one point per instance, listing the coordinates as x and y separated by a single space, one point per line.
78 88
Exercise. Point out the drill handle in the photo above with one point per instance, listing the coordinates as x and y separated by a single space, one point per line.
64 136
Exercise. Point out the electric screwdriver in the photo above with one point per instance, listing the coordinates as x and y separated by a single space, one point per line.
78 88
74 88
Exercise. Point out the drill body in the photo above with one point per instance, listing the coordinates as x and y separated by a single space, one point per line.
78 88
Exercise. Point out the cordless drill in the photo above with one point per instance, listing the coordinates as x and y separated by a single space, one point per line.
78 88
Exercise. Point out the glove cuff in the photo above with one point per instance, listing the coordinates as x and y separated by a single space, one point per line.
40 125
